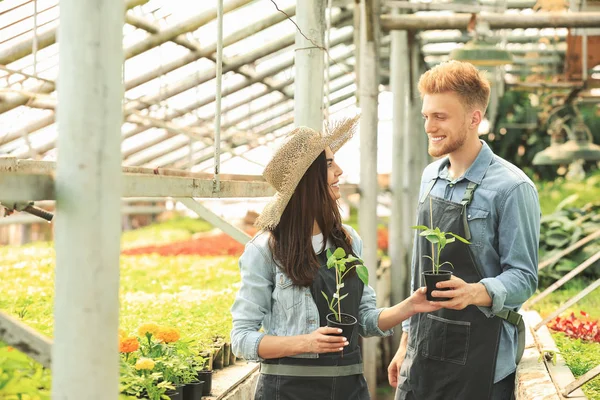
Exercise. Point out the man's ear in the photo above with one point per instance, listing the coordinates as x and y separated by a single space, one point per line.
476 118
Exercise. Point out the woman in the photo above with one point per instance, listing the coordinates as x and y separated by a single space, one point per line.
284 270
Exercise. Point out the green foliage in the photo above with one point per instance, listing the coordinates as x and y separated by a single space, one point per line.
172 230
581 357
440 240
191 293
589 304
563 228
520 131
343 264
21 377
558 191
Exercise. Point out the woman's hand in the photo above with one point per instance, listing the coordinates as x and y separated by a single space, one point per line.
319 341
419 303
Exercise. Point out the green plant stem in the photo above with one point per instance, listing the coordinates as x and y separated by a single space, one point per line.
337 284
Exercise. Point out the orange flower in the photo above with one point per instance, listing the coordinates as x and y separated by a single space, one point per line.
9 348
128 345
167 335
150 328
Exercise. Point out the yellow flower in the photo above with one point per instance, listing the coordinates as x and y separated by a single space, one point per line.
167 335
122 334
150 328
144 363
128 344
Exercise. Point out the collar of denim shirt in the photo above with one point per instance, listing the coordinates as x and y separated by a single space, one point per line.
474 173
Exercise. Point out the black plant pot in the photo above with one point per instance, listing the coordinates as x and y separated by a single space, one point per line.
231 358
431 279
193 391
226 354
206 377
346 324
175 394
218 358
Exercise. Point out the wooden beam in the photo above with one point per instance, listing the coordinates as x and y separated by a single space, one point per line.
25 339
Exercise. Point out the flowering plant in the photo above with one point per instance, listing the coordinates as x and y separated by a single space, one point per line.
155 360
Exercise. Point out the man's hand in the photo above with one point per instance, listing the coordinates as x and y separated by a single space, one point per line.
396 363
462 294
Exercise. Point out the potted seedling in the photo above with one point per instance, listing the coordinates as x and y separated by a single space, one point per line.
341 262
438 239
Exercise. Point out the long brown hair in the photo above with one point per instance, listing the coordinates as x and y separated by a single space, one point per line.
291 239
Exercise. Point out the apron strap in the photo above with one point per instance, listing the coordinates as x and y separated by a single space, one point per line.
466 200
515 319
311 370
468 196
428 190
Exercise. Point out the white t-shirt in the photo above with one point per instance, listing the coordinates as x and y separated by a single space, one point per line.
317 243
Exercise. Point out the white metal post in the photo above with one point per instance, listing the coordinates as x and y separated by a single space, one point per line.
309 63
399 227
88 191
367 216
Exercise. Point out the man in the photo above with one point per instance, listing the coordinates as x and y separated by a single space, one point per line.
469 349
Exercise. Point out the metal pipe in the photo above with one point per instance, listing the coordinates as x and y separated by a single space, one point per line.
369 119
309 53
400 83
219 76
415 22
88 193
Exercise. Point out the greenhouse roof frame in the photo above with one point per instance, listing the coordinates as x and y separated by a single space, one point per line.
170 107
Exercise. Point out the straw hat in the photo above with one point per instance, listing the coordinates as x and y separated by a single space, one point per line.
290 162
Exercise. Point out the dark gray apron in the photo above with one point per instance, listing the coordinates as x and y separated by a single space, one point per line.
451 354
278 387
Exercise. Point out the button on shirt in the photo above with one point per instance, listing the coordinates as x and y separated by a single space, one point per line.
504 219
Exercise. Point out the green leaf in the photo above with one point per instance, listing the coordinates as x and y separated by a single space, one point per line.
329 253
420 227
428 232
433 238
351 258
363 273
339 253
324 295
343 297
443 241
331 261
444 263
462 239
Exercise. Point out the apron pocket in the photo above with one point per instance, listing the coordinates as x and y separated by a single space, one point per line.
446 340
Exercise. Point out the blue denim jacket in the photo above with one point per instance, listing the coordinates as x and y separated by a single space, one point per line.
267 298
504 219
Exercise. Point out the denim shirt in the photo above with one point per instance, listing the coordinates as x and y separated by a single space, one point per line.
504 219
267 298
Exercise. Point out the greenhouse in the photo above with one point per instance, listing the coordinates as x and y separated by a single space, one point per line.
176 221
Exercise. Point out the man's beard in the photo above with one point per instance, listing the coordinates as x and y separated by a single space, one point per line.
450 144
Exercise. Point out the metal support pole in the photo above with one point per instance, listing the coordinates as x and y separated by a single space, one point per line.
88 189
593 286
400 82
416 22
215 220
219 77
367 215
309 63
